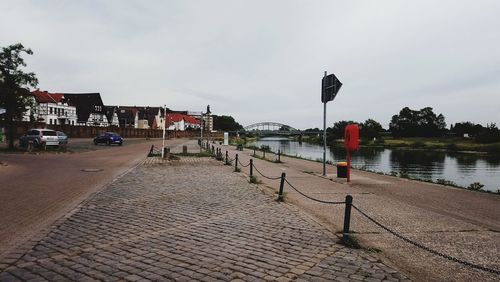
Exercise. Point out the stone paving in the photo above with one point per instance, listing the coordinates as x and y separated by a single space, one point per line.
191 220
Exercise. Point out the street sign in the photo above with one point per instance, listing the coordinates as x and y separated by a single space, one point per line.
330 86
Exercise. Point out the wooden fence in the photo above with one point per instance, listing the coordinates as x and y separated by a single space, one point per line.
92 131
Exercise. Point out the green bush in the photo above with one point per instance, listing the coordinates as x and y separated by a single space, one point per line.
476 186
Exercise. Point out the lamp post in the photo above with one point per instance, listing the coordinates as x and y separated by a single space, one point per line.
208 121
164 129
201 132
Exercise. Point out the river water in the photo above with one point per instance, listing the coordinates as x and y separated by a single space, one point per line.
461 168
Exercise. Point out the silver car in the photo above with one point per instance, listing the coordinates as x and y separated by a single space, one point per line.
39 137
63 138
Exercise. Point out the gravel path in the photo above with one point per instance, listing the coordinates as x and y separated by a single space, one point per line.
191 220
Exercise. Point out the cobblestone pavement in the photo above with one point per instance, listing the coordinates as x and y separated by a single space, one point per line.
190 220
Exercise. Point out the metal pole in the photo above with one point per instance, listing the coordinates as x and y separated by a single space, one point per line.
279 155
227 158
251 167
164 126
347 217
348 165
282 183
324 137
201 132
236 163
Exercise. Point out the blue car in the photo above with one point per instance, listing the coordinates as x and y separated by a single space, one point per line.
108 138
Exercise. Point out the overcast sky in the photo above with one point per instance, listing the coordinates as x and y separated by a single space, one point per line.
264 60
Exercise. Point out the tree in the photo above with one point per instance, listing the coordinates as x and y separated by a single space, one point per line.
226 123
422 123
370 129
14 82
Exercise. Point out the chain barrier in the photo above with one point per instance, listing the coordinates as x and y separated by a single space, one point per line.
311 198
406 239
271 178
242 164
423 247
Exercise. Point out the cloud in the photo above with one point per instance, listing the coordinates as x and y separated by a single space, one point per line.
263 60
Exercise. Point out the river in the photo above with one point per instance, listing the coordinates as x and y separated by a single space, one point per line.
460 168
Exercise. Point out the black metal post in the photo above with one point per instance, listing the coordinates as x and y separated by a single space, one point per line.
227 158
279 155
236 163
151 151
282 184
251 167
347 217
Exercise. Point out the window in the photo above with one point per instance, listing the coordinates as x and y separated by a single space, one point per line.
50 111
50 120
49 133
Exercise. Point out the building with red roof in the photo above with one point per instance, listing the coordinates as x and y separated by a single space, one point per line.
51 108
178 121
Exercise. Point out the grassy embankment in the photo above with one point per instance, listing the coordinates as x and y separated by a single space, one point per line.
448 144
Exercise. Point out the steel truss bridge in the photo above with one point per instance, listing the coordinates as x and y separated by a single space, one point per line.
270 128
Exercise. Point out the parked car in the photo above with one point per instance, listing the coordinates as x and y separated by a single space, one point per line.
39 137
108 138
63 138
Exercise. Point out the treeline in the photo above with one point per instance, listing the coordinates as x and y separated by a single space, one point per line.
416 123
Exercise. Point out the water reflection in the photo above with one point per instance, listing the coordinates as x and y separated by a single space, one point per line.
461 168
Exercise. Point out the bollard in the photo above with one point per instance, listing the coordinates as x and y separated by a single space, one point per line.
236 163
282 184
279 155
167 153
213 149
227 158
347 218
31 146
151 151
251 167
254 150
184 149
264 154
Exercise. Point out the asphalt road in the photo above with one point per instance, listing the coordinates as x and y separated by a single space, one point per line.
38 188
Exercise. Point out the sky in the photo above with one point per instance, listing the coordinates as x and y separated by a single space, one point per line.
264 60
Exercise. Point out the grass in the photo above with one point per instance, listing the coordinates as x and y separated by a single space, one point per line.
428 143
203 154
351 242
449 144
254 180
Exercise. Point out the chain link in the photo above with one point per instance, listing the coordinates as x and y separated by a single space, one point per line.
311 198
242 164
272 178
423 247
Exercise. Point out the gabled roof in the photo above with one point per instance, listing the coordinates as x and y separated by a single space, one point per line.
176 117
85 103
109 111
46 97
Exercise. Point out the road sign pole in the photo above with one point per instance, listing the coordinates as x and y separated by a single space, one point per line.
324 136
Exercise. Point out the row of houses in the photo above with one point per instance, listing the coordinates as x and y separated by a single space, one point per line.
87 109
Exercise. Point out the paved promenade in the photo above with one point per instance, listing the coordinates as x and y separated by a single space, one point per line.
190 220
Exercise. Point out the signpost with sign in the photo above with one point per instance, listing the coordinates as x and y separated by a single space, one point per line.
330 86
